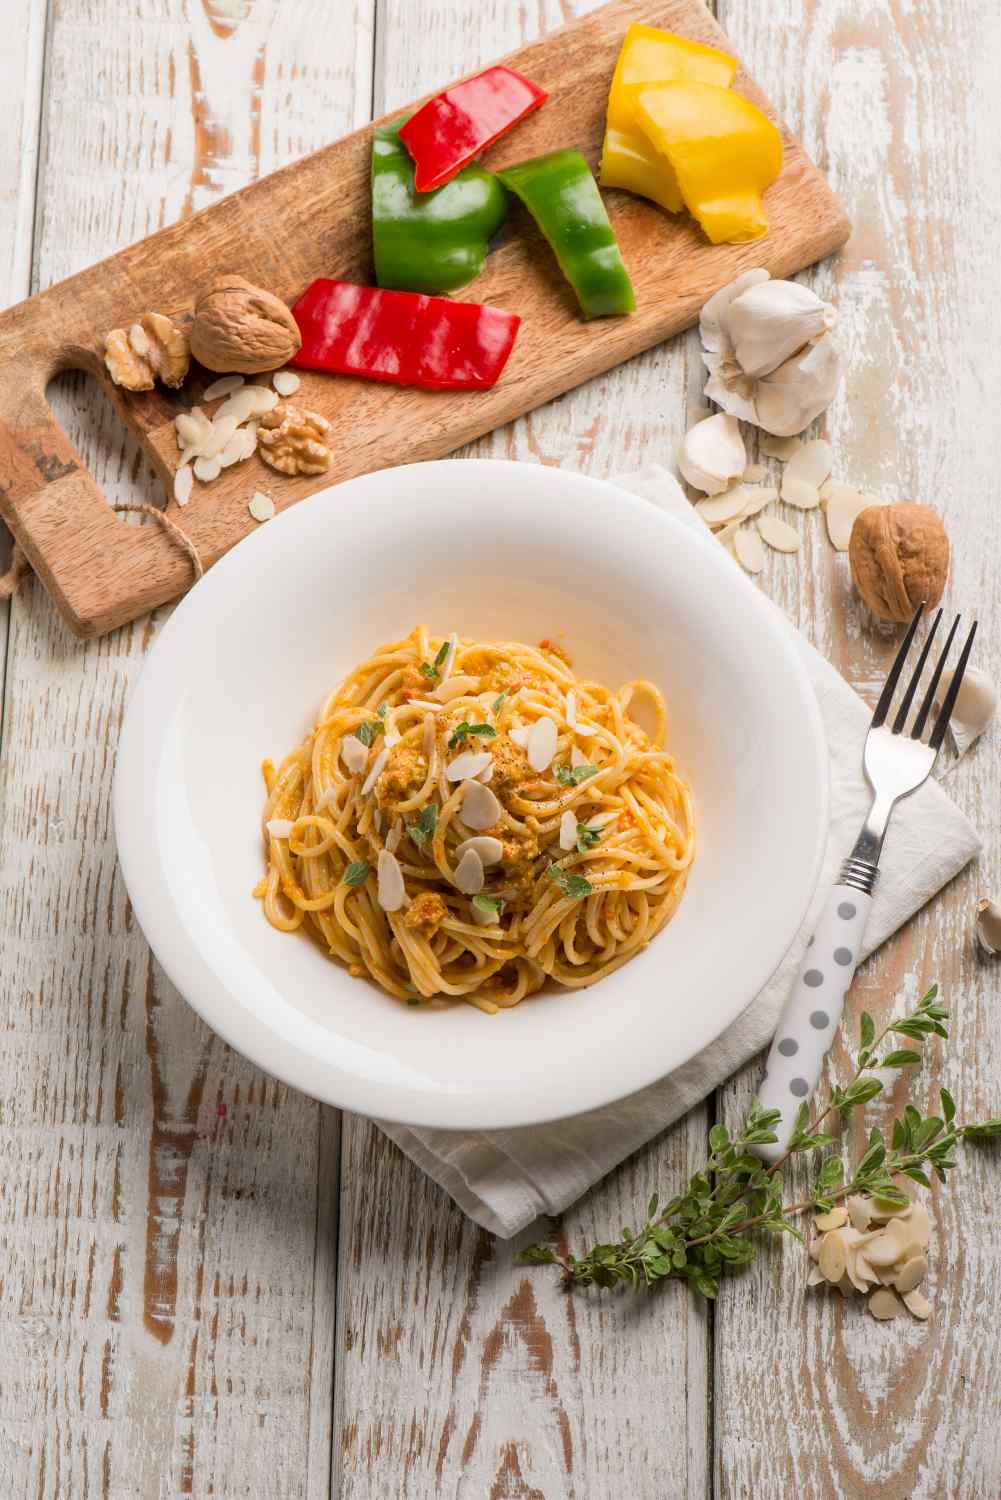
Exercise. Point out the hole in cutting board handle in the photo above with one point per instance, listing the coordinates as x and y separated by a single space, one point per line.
117 463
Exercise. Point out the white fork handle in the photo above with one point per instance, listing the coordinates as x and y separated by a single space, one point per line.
812 1013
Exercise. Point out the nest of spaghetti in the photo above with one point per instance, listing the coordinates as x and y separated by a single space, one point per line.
470 819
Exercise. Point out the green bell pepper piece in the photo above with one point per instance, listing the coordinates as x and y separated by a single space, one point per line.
562 196
429 242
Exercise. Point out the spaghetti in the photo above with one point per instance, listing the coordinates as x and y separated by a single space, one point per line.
470 818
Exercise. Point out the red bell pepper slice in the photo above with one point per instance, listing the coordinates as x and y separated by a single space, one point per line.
457 124
405 338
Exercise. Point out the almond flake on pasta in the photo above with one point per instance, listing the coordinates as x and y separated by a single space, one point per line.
568 830
449 662
394 836
489 850
469 873
468 765
541 745
456 687
577 758
376 772
280 828
519 735
391 891
480 808
354 754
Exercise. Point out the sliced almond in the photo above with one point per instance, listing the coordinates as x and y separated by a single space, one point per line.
469 873
224 386
842 509
468 765
455 687
911 1273
249 401
480 808
391 890
490 850
814 1249
207 469
799 492
783 448
183 482
221 435
778 534
815 1277
753 473
832 1220
882 1210
394 836
568 831
919 1224
757 498
235 450
192 428
811 463
449 662
375 772
750 552
863 1270
541 745
262 507
833 1256
917 1303
722 507
885 1303
578 758
280 828
519 734
285 382
859 1212
354 754
887 1248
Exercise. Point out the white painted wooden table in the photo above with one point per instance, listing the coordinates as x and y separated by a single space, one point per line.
211 1286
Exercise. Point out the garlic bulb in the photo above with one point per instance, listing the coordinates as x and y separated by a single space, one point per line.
989 927
713 453
769 351
973 709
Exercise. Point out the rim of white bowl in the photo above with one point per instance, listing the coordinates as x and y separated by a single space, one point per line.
186 968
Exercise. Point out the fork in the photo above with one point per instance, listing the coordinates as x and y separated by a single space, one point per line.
896 764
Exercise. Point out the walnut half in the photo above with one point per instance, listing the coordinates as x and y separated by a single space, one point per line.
293 441
153 349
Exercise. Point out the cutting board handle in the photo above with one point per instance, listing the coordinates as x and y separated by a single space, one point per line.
54 508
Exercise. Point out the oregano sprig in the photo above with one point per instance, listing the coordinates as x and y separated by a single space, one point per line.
706 1232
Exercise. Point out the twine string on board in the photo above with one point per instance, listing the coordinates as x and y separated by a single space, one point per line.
20 567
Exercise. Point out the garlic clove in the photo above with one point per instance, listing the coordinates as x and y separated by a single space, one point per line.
787 400
773 320
713 316
713 453
989 927
974 708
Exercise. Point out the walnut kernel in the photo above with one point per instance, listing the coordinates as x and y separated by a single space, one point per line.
153 349
899 557
241 329
292 441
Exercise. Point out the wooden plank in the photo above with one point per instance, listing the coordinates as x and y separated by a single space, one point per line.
21 89
459 1372
814 1398
310 221
166 1293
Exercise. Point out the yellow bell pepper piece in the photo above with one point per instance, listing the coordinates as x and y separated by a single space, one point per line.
652 56
724 152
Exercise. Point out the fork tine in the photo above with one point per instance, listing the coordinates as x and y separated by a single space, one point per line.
886 696
945 712
912 686
929 698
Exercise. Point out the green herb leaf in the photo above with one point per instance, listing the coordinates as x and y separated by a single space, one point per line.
536 1255
367 732
459 733
498 703
948 1105
905 1058
439 660
428 671
356 873
574 886
422 828
867 1029
988 1130
574 775
492 906
587 837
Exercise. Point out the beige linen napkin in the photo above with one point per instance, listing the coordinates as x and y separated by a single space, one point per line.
505 1178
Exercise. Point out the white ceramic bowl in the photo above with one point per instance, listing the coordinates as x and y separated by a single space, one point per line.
489 549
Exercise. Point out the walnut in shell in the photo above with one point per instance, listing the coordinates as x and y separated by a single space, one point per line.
241 329
153 349
899 557
293 441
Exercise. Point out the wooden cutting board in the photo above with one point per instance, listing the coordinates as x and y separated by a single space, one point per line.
313 219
